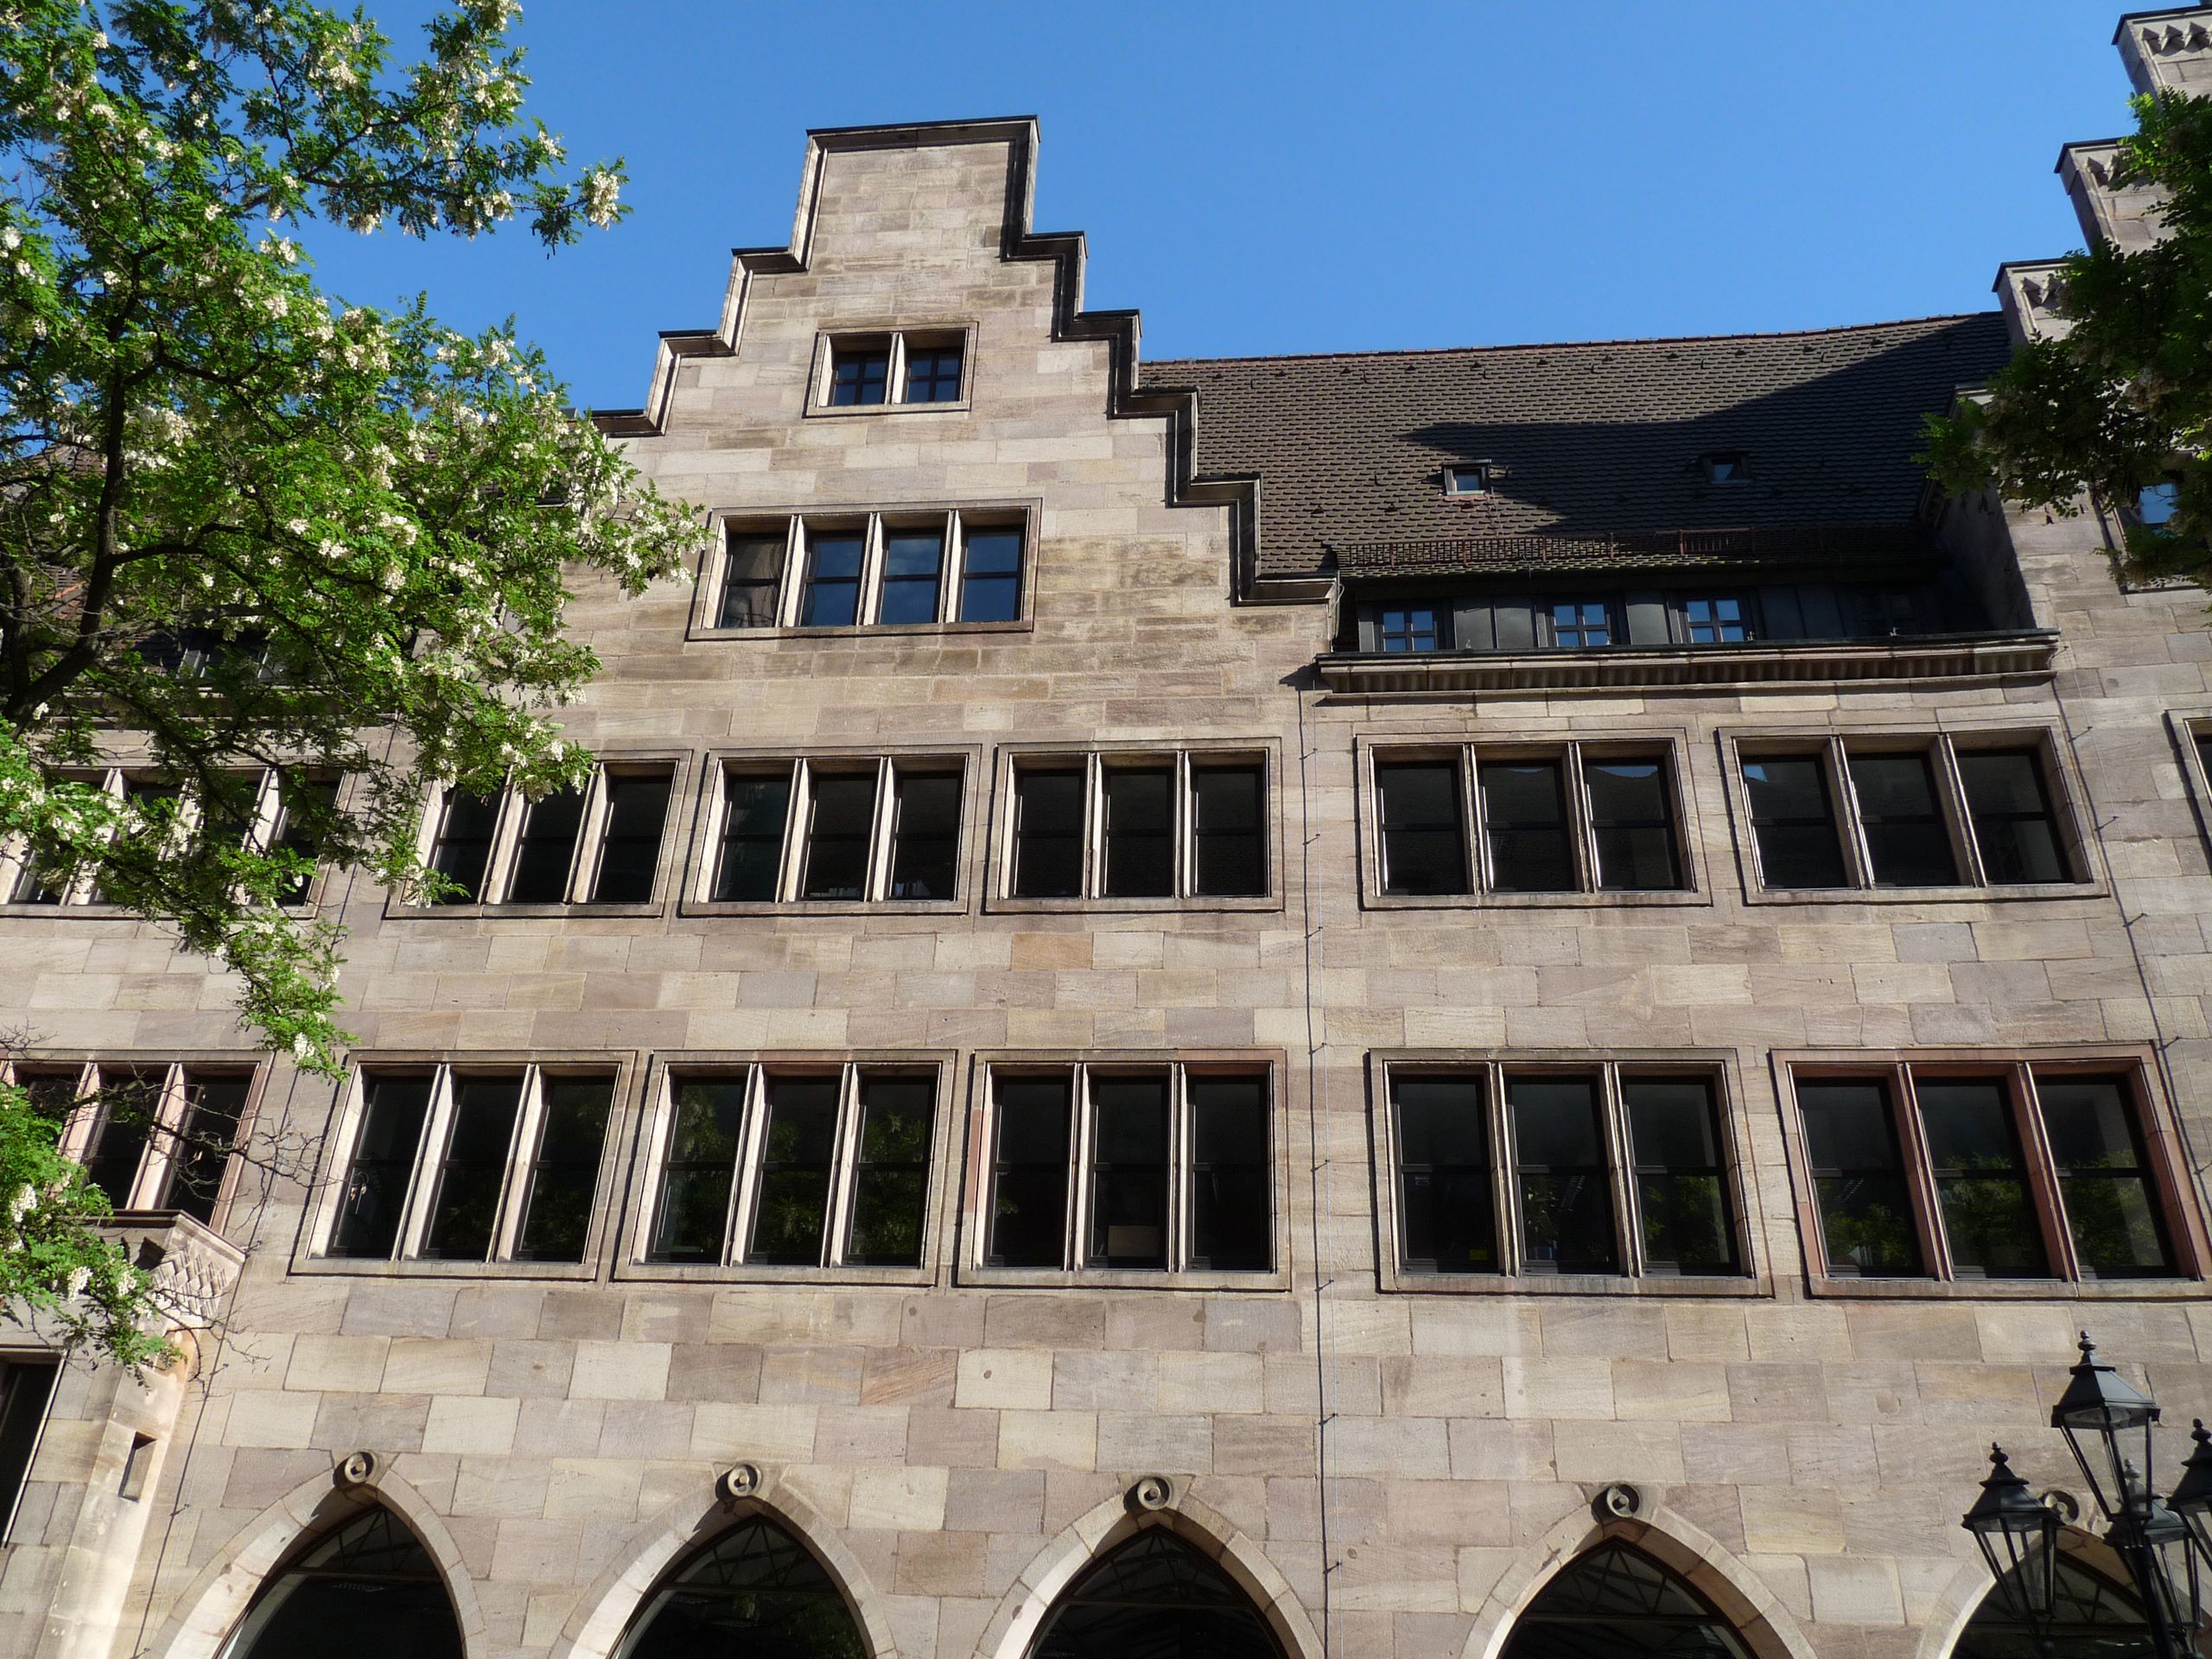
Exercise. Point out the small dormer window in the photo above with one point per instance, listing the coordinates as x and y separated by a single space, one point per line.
1726 467
1467 478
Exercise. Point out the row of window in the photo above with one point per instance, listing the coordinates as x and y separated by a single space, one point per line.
869 570
1498 620
1494 1170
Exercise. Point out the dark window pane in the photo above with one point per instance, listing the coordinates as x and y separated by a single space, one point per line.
859 374
924 834
1578 623
1793 823
1681 1184
1047 834
1029 1170
755 808
1858 1179
933 373
464 844
990 574
25 1387
1228 831
1231 1207
1444 1199
629 845
545 848
1632 816
2104 1181
891 1171
691 1218
1140 831
832 596
1409 627
1715 622
1989 1217
1128 1172
558 1199
1154 1596
1524 824
841 821
912 560
753 575
465 1210
384 1157
130 1101
793 1206
1567 1200
201 1152
1424 841
1905 834
305 806
2014 824
34 885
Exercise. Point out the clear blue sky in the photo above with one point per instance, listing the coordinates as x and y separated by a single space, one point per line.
1301 178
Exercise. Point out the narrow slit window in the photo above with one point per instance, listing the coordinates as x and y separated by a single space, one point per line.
463 848
990 574
1128 1172
1048 832
1793 823
1140 831
753 577
1859 1180
1231 1225
1681 1183
1632 821
563 1174
374 1198
891 1169
691 1212
465 1205
924 834
1981 1179
2014 827
1447 1206
1032 1117
860 374
200 1150
1525 826
2105 1184
1563 1177
913 563
1228 831
545 848
933 372
755 808
1424 836
832 595
798 1151
841 821
629 844
1908 842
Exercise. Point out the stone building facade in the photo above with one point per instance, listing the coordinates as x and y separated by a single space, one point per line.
1395 967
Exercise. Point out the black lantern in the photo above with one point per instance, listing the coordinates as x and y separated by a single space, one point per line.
2106 1422
2192 1498
2166 1567
2019 1537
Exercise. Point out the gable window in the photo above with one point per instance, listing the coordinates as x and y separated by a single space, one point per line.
860 372
903 369
1504 1168
1468 477
1948 811
933 372
1410 627
1715 620
1582 623
874 570
834 830
597 845
1579 818
1182 824
776 1165
1130 1168
1999 1170
472 1164
154 1136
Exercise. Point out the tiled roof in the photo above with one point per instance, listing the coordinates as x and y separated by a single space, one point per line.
1589 440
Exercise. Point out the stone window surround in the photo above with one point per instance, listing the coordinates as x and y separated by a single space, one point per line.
18 1357
500 864
1718 1065
655 1118
705 835
323 1208
2190 729
77 900
897 334
1371 748
1940 737
706 597
999 895
978 1140
2156 1121
176 1066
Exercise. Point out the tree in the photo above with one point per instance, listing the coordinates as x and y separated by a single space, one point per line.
2121 403
246 528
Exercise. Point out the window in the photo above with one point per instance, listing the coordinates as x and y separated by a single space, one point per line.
1130 1168
26 1390
895 371
1726 467
1997 1171
1178 825
599 845
467 1164
305 804
766 1165
1949 811
1468 477
868 829
1410 627
2156 505
1587 818
889 570
1716 619
1501 1168
151 1135
1582 623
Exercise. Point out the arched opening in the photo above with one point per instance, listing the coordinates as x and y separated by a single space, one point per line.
2091 1617
365 1591
754 1593
1155 1598
1616 1602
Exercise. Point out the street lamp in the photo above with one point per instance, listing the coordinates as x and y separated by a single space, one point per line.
2192 1498
2019 1536
2106 1422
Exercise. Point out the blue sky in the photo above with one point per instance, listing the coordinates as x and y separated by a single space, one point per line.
1298 178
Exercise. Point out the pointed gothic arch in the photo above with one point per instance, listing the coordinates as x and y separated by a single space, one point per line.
2093 1618
754 1588
364 1589
1616 1602
1155 1595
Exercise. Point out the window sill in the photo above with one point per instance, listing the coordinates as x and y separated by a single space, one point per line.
2175 1289
741 1273
1131 907
308 1265
1996 895
1531 900
1396 1281
824 907
1121 1279
893 632
876 411
397 909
